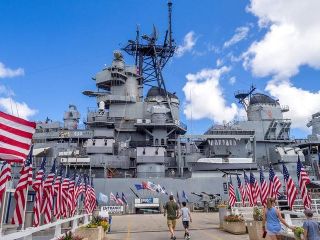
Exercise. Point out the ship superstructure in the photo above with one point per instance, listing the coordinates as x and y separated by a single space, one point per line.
135 131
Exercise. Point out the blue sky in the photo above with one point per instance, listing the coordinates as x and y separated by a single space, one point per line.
49 50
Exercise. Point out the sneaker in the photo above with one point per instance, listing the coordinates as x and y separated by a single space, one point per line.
174 238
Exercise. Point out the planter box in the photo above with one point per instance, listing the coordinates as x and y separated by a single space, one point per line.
254 229
91 233
235 227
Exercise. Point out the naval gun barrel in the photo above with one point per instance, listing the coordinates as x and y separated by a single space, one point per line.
197 194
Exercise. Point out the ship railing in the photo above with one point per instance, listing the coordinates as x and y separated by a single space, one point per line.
283 204
28 232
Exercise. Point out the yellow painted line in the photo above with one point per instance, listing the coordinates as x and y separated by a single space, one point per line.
129 232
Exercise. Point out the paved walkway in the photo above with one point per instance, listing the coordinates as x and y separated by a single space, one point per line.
153 226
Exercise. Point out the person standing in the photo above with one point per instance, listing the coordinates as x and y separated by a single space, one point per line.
311 227
186 218
171 209
272 216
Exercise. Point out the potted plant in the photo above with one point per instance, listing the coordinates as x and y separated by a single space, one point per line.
96 229
234 224
255 226
298 232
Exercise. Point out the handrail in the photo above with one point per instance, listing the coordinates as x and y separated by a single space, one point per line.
27 233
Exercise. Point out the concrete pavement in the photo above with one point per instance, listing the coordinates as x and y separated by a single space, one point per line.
153 226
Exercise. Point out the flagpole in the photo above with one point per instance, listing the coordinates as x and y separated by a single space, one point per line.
25 209
3 205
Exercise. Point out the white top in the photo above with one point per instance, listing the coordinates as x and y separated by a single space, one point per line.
185 214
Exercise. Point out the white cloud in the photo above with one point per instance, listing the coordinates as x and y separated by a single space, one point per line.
204 96
6 72
302 103
292 38
6 91
240 34
232 80
189 42
20 109
219 62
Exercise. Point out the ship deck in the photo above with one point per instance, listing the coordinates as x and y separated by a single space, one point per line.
153 226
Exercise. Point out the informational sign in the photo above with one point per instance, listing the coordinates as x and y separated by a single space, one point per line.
146 203
225 188
146 200
112 209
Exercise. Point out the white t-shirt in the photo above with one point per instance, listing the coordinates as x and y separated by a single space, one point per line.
185 214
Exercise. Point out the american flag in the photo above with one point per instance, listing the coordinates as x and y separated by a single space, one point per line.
124 199
48 192
242 190
232 195
255 190
38 186
80 188
119 200
15 137
20 194
71 198
93 198
65 195
291 189
87 194
248 189
264 188
113 198
5 176
274 183
77 192
58 194
303 179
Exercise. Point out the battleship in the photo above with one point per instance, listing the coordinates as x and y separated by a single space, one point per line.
135 133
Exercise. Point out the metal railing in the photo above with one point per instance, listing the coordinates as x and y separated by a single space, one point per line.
297 206
27 233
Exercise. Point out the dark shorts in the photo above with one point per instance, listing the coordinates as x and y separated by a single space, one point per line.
185 224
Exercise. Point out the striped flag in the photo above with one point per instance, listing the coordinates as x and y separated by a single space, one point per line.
5 176
48 192
15 137
20 194
242 191
87 195
58 194
255 190
71 195
274 183
65 195
232 195
248 189
38 187
113 198
119 200
303 179
78 191
264 189
291 189
93 198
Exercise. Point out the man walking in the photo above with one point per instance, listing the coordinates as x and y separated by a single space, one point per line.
171 209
